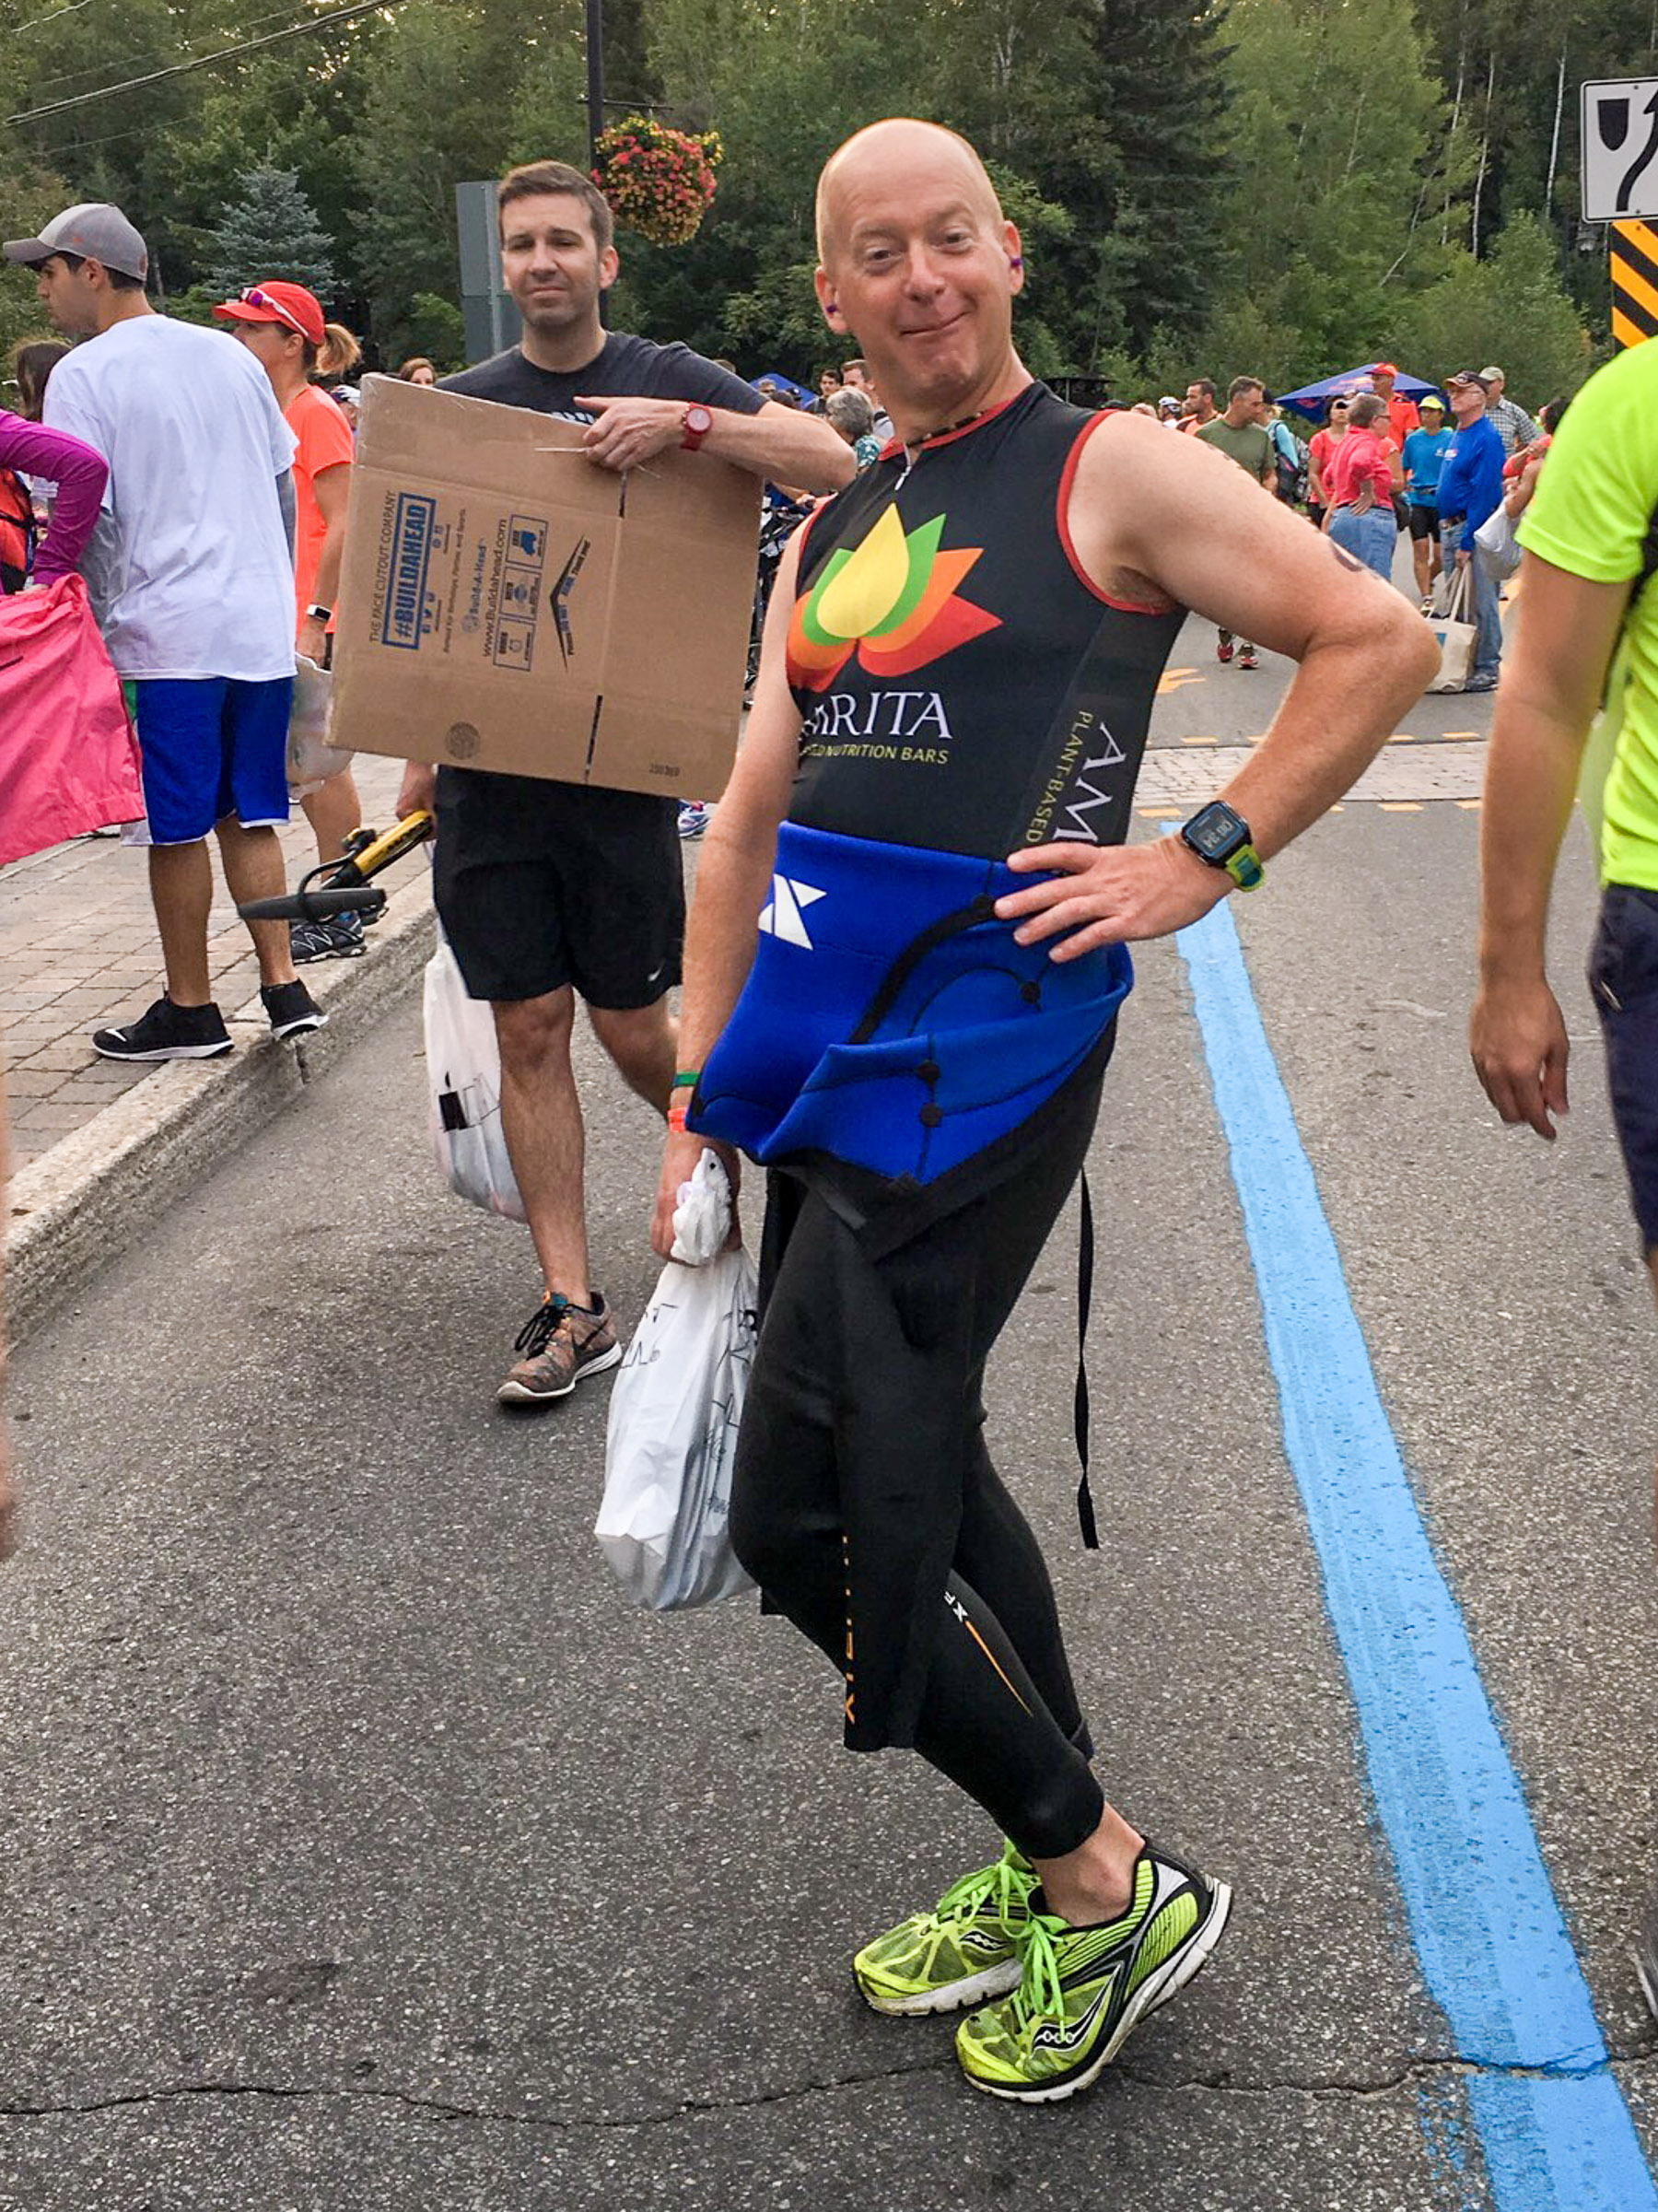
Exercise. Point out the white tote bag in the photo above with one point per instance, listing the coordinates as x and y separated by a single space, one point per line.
1496 544
664 1523
463 1070
312 760
1455 635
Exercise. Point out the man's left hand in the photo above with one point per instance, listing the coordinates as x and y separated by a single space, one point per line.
625 432
1462 557
313 641
1109 894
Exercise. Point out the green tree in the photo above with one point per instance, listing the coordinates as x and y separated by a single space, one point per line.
271 230
453 96
1510 308
30 194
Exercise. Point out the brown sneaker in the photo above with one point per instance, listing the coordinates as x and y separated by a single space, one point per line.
560 1342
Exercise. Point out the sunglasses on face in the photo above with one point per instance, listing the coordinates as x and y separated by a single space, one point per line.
253 296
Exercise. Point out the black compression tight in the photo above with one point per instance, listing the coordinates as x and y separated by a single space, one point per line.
907 1336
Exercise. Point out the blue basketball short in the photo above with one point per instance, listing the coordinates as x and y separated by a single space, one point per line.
209 748
1623 976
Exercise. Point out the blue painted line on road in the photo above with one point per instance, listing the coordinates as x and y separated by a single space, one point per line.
1552 2123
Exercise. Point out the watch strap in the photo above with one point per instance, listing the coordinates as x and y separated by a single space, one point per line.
1244 868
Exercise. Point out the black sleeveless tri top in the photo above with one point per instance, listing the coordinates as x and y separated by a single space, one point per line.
964 687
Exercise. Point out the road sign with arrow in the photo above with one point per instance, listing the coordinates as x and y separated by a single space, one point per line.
1620 149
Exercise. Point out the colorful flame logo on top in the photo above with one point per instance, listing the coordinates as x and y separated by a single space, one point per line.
891 601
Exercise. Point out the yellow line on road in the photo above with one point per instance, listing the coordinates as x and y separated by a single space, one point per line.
1400 806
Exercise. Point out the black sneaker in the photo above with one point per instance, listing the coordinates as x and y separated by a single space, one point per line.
167 1032
291 1009
338 938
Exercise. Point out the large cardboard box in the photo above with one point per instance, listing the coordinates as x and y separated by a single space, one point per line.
507 604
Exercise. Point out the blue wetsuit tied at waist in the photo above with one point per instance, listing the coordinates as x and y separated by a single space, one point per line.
889 1022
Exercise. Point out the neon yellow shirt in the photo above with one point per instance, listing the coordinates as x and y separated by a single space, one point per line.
1589 516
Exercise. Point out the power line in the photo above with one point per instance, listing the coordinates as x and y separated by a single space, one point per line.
87 69
34 24
205 61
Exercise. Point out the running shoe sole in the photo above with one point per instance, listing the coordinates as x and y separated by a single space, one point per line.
354 950
1155 1990
515 1394
954 1996
161 1052
302 1026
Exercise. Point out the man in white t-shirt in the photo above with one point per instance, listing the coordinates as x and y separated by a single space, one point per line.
191 575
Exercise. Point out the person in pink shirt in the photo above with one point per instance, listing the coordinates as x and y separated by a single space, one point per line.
80 475
1361 479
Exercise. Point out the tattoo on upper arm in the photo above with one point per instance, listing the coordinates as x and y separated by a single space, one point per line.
1346 558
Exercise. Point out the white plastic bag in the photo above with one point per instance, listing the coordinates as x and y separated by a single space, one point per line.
702 1220
1496 544
1456 637
463 1069
664 1523
312 760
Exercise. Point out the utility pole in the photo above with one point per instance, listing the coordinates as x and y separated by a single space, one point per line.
595 77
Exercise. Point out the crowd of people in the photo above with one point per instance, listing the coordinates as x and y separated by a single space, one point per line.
903 963
1380 467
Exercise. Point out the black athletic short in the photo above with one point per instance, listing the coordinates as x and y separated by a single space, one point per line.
1623 976
541 884
1424 520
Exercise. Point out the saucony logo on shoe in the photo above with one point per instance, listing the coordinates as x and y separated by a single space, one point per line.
781 915
994 1946
1075 2033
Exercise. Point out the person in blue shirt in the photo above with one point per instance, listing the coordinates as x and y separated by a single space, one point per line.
1289 456
1421 458
1470 489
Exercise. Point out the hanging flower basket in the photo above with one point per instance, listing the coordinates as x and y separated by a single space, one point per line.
660 182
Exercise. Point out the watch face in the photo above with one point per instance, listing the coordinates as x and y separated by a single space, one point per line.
1214 833
698 421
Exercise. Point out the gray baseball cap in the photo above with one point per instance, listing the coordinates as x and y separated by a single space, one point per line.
95 230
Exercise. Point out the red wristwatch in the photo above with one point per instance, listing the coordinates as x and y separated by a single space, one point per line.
698 422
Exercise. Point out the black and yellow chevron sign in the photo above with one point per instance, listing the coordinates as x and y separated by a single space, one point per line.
1634 282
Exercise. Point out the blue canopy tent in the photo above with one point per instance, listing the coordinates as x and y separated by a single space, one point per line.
1311 399
776 376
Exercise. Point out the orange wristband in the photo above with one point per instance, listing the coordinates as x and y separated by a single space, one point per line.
676 1117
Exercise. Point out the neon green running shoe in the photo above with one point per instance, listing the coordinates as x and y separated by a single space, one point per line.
1085 1990
965 1950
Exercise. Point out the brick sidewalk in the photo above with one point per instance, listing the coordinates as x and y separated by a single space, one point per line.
79 950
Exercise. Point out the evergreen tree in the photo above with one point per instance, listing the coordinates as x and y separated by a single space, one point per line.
1163 95
1143 181
272 230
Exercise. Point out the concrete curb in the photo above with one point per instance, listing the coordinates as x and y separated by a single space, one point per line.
88 1198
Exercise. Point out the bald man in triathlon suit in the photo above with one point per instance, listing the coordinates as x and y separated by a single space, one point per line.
905 961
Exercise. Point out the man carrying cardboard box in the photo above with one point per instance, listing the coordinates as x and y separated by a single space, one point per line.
547 889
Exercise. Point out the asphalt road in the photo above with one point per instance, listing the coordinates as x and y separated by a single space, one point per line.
362 1847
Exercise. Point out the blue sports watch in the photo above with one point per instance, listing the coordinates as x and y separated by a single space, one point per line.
1220 837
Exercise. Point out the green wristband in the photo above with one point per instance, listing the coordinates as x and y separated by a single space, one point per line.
687 1081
